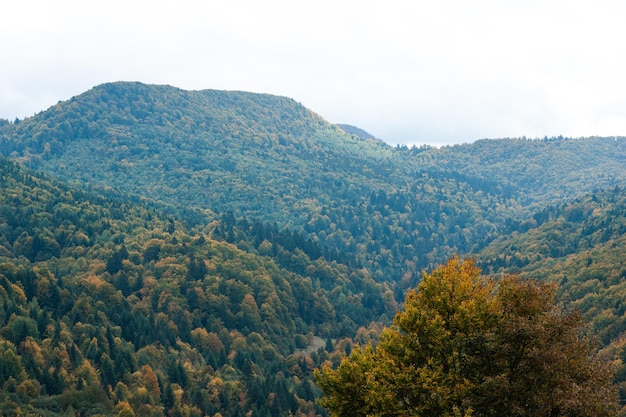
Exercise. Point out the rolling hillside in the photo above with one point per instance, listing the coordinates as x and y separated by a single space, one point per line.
578 244
171 252
107 304
269 158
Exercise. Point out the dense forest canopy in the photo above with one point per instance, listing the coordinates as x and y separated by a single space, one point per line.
269 158
195 252
469 346
104 299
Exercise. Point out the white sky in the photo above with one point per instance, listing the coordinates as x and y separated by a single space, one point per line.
413 71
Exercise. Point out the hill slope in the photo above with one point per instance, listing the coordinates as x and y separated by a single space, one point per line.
543 171
189 147
395 210
261 157
106 303
578 244
300 231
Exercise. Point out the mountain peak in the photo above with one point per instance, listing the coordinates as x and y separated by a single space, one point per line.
356 131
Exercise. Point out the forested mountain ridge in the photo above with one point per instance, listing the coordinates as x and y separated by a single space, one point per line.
580 245
107 305
281 228
543 171
215 140
269 158
259 156
356 131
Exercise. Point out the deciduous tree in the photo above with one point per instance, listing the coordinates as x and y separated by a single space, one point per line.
466 345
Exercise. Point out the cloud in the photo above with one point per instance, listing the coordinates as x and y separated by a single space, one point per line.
408 72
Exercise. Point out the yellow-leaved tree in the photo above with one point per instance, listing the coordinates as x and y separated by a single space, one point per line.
467 346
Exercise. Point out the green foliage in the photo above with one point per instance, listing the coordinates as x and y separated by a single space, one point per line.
132 311
580 245
266 157
226 230
572 227
467 346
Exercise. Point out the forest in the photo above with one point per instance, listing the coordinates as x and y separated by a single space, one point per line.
109 304
190 253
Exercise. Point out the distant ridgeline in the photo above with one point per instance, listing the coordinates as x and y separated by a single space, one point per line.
195 248
268 158
353 130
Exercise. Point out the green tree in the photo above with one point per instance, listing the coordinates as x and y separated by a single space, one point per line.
10 364
469 346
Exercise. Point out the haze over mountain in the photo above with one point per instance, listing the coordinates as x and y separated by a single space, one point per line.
207 211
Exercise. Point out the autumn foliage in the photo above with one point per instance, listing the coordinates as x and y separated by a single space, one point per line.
466 345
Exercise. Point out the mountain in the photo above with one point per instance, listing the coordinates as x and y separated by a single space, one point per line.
269 158
356 131
252 145
543 171
578 244
194 252
108 303
258 156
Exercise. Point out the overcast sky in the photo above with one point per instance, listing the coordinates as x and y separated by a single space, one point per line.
414 72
